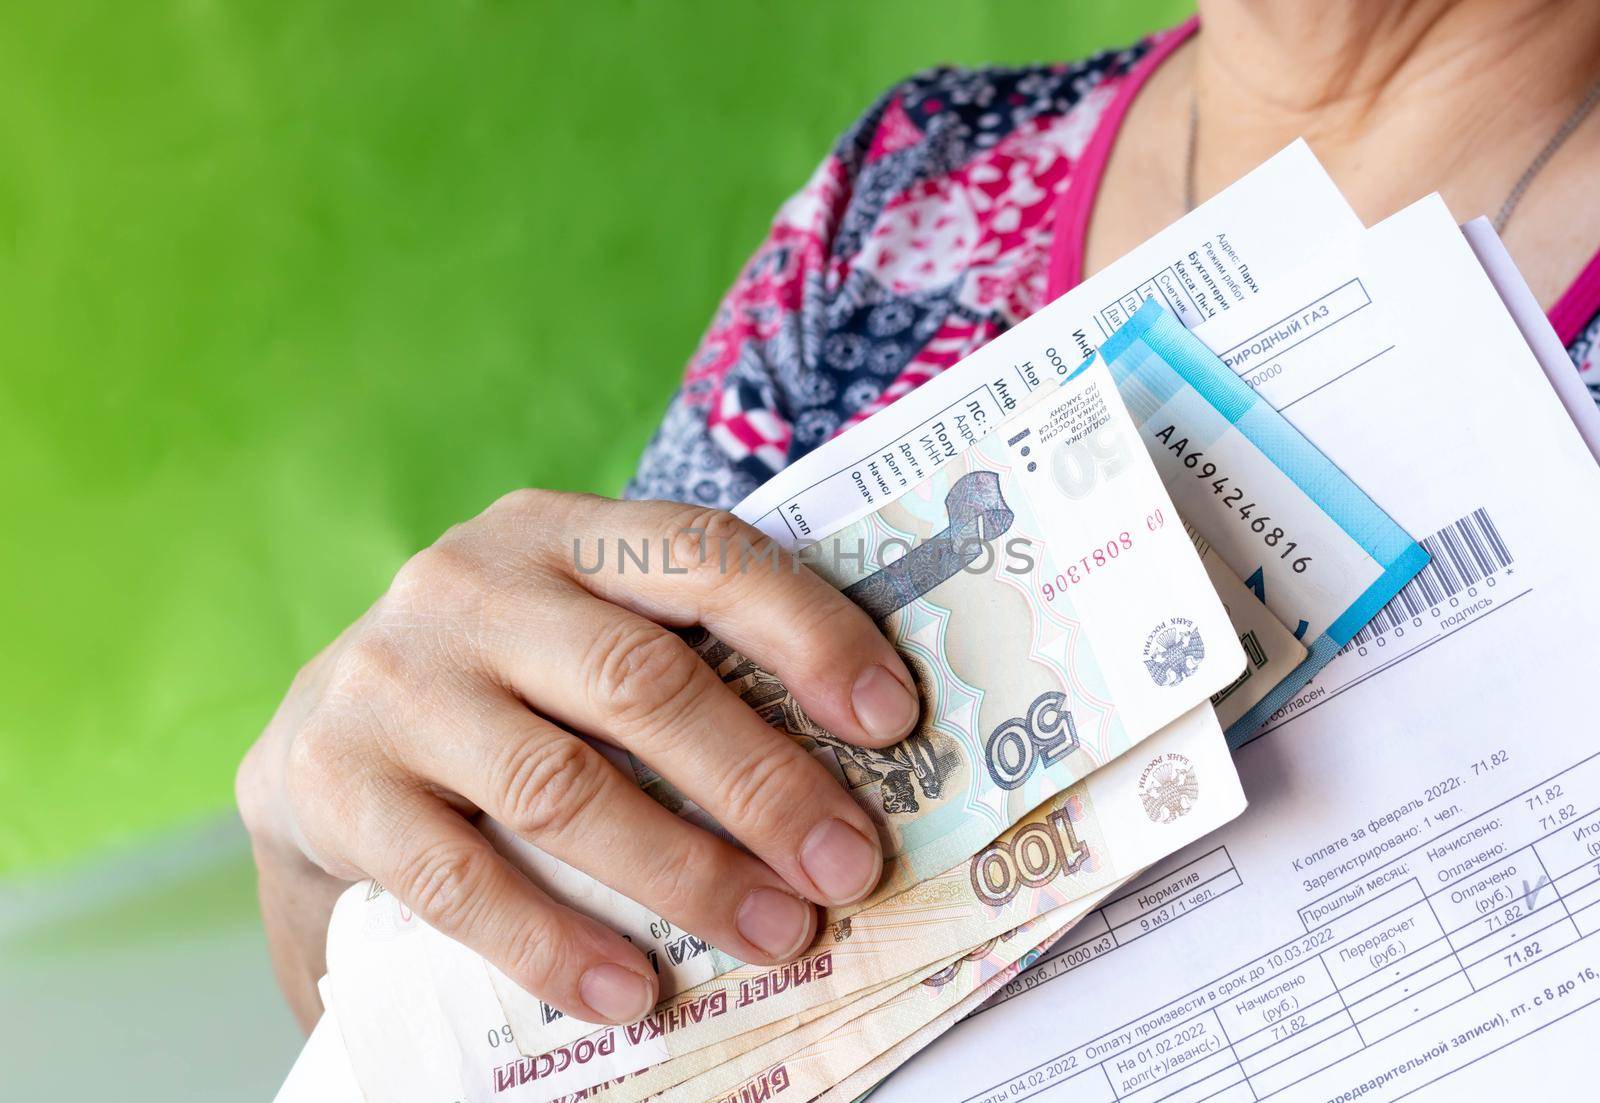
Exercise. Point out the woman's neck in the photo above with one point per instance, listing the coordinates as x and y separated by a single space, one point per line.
1454 95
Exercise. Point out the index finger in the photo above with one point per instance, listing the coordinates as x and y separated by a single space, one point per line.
715 570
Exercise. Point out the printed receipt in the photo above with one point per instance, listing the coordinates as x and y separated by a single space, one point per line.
1415 888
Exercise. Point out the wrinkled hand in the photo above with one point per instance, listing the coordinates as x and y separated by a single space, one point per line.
460 691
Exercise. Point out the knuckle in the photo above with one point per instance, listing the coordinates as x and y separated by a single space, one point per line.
828 622
834 641
439 577
328 794
760 796
441 882
679 887
372 663
540 955
643 672
320 758
549 786
530 520
705 537
523 502
251 790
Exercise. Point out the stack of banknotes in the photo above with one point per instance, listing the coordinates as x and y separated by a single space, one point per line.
1102 572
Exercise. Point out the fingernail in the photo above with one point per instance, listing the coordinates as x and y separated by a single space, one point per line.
840 861
883 705
775 922
616 993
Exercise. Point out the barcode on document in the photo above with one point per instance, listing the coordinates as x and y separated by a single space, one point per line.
1461 555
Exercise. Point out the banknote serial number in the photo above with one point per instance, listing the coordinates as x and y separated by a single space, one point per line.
1235 499
1078 571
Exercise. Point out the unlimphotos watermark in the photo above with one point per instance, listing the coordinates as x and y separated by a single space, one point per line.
696 548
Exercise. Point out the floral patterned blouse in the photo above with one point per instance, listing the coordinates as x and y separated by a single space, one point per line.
954 208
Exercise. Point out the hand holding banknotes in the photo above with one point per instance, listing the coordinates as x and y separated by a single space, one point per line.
459 691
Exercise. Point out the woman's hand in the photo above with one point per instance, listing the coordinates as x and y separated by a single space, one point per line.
460 690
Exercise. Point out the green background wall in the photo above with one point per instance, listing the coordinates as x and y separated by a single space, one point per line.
286 288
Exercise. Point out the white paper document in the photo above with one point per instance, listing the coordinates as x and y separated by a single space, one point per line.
1410 906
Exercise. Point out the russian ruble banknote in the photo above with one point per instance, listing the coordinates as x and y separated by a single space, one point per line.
1053 612
885 1056
426 1025
1175 787
1320 553
809 1062
710 1067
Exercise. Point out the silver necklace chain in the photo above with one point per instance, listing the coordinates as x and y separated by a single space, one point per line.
1590 101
